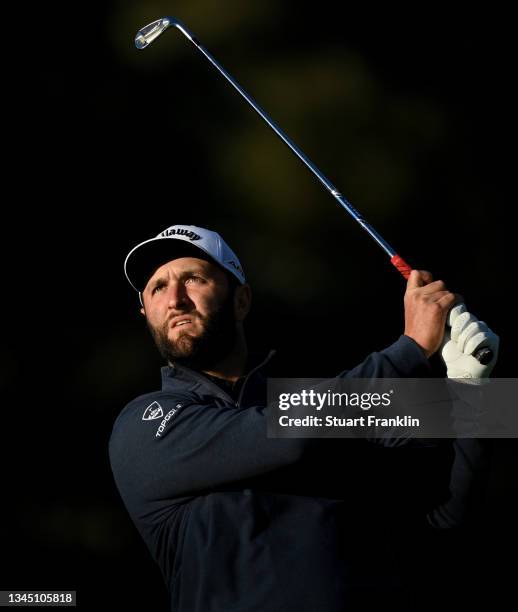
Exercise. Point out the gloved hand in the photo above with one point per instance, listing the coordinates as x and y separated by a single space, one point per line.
464 335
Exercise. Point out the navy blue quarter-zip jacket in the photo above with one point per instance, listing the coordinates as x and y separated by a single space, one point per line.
239 522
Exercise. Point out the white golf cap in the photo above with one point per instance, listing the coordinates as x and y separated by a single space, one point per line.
178 241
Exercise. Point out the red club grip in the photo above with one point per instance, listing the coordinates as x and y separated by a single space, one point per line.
403 268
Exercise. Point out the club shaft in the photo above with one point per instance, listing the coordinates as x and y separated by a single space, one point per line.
309 164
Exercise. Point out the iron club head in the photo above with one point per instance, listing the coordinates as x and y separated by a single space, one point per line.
149 33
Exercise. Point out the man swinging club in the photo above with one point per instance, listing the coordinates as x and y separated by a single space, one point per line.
239 521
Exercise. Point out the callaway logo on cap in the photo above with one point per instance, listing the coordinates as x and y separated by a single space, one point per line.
178 241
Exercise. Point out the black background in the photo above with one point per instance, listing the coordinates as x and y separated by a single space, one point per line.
408 113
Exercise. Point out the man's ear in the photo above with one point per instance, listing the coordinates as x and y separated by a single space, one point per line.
141 300
242 301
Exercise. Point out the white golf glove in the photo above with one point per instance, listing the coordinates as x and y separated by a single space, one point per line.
465 335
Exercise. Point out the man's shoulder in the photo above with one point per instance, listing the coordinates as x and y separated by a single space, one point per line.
140 424
149 407
153 396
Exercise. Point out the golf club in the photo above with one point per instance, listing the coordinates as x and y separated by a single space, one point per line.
152 31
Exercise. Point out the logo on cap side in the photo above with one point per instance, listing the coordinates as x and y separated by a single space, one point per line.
235 265
180 232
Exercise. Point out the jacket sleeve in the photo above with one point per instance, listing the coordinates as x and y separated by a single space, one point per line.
470 471
203 446
468 483
402 359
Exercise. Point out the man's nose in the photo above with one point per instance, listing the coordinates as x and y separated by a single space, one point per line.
177 295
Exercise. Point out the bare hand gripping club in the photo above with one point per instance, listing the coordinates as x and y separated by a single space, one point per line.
152 31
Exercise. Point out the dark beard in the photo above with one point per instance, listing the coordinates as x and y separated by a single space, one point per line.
204 351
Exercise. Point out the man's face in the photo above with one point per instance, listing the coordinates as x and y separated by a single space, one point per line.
190 313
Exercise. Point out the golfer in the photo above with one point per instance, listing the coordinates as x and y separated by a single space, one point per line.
239 522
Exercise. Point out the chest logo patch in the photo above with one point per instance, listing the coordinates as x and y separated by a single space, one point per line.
153 411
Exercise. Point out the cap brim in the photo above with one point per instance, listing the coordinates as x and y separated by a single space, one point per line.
146 258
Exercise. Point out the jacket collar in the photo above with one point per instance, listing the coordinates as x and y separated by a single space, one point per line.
178 377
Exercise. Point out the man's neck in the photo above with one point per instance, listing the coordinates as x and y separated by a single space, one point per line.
233 366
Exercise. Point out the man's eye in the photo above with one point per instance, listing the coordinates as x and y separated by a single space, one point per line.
194 278
157 289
